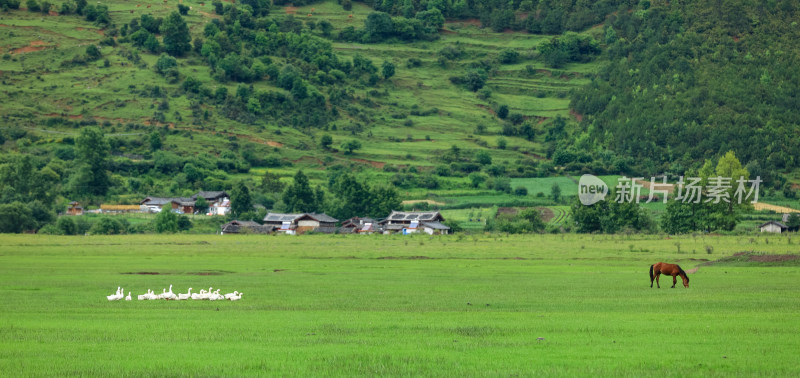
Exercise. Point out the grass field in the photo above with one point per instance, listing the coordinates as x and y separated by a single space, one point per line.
390 305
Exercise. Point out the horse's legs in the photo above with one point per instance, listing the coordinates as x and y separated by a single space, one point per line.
674 280
658 274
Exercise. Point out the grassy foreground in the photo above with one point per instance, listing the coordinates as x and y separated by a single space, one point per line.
390 305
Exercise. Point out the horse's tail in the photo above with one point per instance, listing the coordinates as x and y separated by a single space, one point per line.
683 273
651 272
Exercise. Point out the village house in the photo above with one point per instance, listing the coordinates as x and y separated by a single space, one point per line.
429 222
74 208
218 203
301 223
155 204
358 225
773 226
183 205
238 227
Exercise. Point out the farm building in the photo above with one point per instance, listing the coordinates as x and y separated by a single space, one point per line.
773 226
211 197
238 227
183 205
220 208
75 208
300 223
358 225
429 222
155 204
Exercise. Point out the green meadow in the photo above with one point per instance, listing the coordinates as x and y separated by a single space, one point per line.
318 305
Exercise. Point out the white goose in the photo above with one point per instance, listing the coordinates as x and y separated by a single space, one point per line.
128 297
216 296
236 297
116 296
186 296
229 295
197 296
151 295
170 295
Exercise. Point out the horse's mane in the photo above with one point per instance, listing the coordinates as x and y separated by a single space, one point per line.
683 273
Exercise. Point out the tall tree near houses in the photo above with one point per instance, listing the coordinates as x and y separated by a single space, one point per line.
299 197
93 153
241 201
177 40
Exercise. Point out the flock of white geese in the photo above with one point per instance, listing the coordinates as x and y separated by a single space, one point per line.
169 295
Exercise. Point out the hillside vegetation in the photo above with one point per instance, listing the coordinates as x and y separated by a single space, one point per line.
455 99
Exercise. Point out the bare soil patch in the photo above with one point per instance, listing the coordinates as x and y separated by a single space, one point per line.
374 164
404 258
37 45
291 10
547 214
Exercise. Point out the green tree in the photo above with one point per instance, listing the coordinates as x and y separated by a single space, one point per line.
534 219
155 140
177 40
92 52
476 179
299 197
351 146
388 69
16 217
92 177
794 221
555 192
325 141
271 183
201 205
378 24
165 63
66 226
502 112
483 157
166 221
241 202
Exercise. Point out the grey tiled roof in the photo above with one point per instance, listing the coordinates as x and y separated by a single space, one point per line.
210 195
400 216
322 217
435 225
280 217
779 224
156 201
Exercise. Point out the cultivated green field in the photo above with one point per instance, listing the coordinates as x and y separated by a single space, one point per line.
574 305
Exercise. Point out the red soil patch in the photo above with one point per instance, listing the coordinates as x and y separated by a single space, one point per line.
34 46
547 214
291 10
375 164
577 115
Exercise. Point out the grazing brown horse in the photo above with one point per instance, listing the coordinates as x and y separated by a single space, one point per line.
673 270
